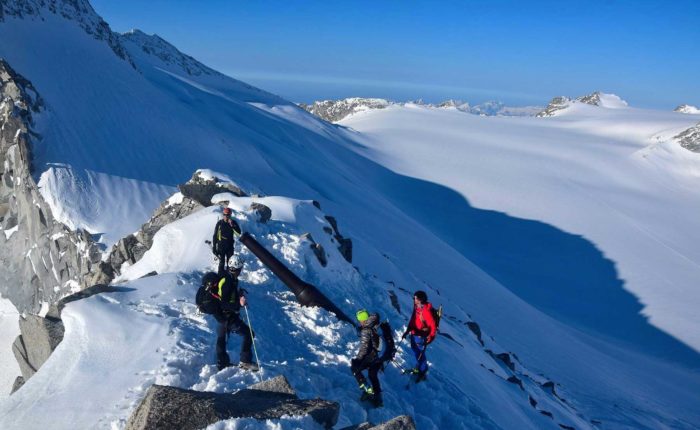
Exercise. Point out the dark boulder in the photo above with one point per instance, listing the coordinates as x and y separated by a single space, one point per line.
263 212
177 408
402 422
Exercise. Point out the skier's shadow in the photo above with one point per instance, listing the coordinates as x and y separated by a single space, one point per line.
562 274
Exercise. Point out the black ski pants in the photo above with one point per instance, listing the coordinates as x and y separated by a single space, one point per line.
232 323
223 260
357 366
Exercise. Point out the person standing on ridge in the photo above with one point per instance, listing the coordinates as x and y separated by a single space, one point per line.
231 298
223 241
422 328
367 358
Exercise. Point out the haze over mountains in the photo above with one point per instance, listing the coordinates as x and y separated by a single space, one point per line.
563 246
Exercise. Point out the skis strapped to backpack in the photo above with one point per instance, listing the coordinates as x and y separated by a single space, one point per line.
437 315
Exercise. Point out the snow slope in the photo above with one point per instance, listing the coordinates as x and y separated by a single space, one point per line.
9 329
117 137
613 176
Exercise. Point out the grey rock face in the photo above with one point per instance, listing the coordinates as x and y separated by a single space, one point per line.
690 138
344 243
41 258
278 384
264 213
557 104
317 248
402 422
40 336
177 408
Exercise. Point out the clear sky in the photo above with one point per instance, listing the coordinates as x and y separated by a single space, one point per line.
519 52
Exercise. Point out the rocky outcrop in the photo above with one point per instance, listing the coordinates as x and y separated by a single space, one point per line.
263 212
176 408
402 422
19 381
317 248
336 110
557 104
344 243
38 339
42 259
194 195
690 138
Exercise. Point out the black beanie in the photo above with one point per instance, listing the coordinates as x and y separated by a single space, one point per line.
421 296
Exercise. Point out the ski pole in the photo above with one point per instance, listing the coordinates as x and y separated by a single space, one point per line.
255 350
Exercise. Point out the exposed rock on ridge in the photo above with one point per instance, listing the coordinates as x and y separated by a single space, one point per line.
42 258
689 109
176 408
690 138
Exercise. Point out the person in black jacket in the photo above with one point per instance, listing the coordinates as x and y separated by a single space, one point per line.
223 241
367 358
228 318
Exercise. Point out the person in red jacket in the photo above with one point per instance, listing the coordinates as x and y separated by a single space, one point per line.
423 330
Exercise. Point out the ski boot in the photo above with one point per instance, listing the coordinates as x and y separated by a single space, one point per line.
367 393
252 367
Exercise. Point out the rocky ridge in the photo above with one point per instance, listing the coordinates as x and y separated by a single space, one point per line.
690 138
596 98
79 11
337 110
44 259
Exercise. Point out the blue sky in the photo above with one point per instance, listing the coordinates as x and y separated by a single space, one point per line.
519 52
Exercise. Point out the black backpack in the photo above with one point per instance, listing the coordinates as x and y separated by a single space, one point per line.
389 346
206 301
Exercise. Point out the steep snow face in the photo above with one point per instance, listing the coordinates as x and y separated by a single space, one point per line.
614 176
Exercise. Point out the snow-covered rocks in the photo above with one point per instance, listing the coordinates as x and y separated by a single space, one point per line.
689 109
336 110
171 407
690 138
560 103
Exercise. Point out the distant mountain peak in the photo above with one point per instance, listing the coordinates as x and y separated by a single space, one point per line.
689 109
337 110
597 98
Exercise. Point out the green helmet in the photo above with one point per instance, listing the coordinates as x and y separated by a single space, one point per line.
362 315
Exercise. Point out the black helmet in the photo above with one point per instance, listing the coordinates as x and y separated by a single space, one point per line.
209 278
421 296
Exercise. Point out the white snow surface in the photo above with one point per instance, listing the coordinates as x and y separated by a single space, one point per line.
9 330
558 236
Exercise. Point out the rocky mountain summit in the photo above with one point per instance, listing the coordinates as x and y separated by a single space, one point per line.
596 98
689 109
